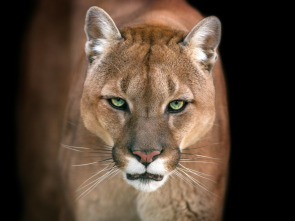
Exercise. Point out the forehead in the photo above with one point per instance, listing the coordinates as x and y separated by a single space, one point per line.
149 61
156 85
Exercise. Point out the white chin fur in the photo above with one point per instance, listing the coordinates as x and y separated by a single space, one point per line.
156 167
145 186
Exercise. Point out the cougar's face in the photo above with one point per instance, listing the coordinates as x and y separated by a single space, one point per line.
148 101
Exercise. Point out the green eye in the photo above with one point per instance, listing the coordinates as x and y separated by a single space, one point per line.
176 106
118 103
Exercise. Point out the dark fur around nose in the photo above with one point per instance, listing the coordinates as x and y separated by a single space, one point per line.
146 157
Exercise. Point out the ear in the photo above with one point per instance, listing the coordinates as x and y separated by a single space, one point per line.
203 41
101 32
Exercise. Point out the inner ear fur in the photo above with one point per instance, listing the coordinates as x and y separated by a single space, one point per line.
101 32
203 40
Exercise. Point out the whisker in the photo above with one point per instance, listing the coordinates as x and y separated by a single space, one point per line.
104 169
94 181
182 177
198 183
176 173
113 175
195 161
108 160
99 180
100 152
196 173
84 164
202 156
105 148
74 148
106 145
103 164
191 148
204 174
99 161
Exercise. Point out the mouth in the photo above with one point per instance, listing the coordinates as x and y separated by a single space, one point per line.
145 176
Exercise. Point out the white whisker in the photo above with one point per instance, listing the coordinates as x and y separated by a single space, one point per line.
94 181
199 147
84 164
99 180
202 156
195 161
109 160
113 175
104 169
198 183
74 148
103 164
196 173
179 175
201 173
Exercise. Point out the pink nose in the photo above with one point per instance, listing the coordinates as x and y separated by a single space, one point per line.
146 157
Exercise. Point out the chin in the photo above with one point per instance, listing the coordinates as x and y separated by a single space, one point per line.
145 184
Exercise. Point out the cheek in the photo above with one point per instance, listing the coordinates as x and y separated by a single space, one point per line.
188 127
113 121
202 123
180 125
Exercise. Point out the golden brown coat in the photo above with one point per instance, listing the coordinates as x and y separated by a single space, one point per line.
148 59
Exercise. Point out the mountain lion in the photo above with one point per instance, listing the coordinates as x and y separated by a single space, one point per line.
126 120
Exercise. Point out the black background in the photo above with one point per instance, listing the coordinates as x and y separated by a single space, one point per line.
250 75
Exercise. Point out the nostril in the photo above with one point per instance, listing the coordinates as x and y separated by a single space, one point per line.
137 157
153 155
146 157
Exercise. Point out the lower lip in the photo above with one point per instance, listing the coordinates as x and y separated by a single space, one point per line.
144 176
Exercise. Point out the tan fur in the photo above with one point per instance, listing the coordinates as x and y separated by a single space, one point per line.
148 59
